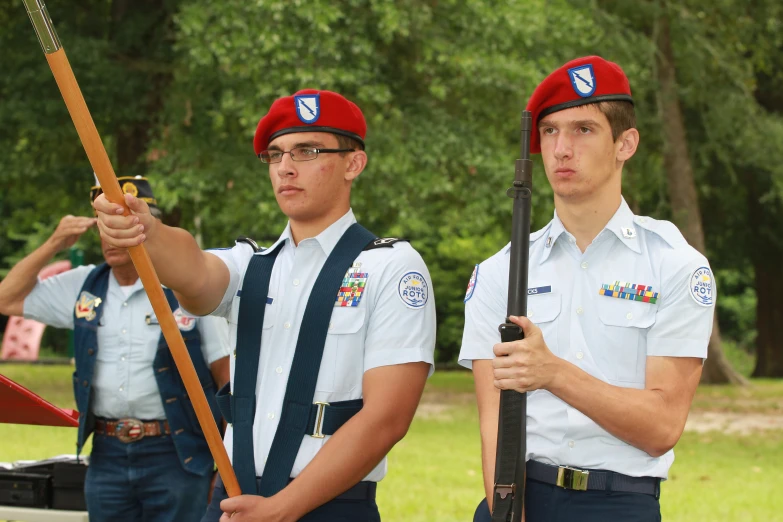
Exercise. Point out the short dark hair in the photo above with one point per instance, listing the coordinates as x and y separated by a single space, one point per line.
621 116
344 142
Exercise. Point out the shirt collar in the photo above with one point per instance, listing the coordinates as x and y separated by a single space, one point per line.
327 239
621 224
623 227
114 284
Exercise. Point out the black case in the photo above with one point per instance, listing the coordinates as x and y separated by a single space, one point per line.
55 485
33 490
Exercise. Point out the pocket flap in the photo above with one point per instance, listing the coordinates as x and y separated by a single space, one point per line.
543 308
346 320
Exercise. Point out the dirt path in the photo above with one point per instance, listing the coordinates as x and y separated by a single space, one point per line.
438 405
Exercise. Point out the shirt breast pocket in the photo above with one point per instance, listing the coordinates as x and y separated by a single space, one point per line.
342 366
543 310
622 347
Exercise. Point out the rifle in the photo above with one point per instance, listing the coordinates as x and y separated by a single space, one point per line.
96 153
509 491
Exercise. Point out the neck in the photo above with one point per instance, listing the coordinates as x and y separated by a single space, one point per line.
125 275
585 220
305 229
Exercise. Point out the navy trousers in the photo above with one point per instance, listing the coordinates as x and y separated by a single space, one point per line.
334 511
142 481
550 503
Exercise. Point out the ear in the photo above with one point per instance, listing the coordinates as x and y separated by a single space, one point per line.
627 144
356 165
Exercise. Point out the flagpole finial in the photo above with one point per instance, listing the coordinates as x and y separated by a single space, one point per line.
42 23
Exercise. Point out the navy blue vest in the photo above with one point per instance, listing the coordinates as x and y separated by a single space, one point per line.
189 441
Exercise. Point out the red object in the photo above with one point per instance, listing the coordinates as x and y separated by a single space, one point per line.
22 338
18 405
310 110
585 80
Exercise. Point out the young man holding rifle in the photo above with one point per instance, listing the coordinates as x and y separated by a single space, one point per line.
333 329
149 461
619 316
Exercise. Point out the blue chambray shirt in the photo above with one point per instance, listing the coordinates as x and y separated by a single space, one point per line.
608 337
124 382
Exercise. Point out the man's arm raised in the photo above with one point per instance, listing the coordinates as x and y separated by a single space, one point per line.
198 278
23 277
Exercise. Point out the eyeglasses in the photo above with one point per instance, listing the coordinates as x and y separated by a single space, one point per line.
297 154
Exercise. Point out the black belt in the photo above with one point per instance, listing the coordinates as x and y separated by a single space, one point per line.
361 491
592 479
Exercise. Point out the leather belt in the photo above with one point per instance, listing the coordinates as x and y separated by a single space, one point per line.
131 430
591 479
361 491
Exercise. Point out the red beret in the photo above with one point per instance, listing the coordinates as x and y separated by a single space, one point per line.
310 110
585 80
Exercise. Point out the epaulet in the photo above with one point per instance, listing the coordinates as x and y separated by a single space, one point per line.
249 241
384 242
666 230
538 233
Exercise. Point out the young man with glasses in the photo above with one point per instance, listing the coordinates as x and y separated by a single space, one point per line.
324 380
618 319
149 461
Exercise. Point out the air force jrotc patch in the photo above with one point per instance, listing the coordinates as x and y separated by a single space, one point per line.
352 287
702 286
414 290
630 292
308 107
184 322
583 80
86 305
472 284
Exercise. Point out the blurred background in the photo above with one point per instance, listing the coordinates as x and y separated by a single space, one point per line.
176 88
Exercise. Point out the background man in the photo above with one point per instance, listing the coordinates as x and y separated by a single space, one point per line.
149 460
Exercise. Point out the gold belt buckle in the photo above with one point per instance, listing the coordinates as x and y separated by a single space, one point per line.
129 430
572 478
319 420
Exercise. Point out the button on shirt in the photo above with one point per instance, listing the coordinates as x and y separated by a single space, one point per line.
606 336
124 382
382 330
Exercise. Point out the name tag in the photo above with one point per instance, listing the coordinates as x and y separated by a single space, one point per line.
539 290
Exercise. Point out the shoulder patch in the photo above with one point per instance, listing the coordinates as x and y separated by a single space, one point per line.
666 230
384 242
413 290
249 241
472 284
701 286
184 322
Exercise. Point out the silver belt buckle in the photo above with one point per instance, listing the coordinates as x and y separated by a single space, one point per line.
319 420
129 430
572 478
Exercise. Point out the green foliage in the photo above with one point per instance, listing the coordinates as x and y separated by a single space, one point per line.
177 88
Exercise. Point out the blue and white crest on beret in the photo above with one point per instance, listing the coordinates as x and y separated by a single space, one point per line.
702 286
583 80
308 107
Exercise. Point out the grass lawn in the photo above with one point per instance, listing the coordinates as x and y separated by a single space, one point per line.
435 472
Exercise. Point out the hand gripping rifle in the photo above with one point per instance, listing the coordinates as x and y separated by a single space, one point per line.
509 492
99 160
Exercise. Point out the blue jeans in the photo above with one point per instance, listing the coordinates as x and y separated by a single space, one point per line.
142 481
334 511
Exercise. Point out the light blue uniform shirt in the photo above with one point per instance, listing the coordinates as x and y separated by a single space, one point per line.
608 337
385 328
124 382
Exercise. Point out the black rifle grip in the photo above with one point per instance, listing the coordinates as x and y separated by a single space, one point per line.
510 332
